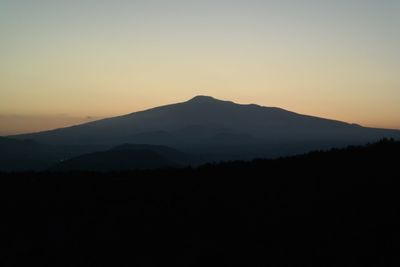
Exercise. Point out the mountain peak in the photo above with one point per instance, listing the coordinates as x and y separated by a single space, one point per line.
203 99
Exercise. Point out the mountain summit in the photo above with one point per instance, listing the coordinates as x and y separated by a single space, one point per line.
207 100
208 124
203 99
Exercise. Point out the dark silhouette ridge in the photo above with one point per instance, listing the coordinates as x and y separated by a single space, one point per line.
220 129
333 208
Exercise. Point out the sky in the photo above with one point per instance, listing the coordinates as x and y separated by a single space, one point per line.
68 62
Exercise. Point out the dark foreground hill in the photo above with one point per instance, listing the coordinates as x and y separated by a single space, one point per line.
335 208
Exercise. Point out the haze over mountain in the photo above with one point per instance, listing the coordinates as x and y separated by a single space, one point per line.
203 124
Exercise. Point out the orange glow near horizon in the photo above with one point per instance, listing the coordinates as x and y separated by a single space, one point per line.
337 60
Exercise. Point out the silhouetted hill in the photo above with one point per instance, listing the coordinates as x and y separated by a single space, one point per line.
172 154
115 161
210 126
333 208
25 155
127 157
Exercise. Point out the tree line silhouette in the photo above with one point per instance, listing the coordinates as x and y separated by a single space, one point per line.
325 208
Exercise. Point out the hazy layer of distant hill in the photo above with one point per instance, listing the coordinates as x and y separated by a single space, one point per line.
219 129
26 155
335 208
127 157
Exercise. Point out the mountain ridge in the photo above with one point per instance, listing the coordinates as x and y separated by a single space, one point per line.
199 99
204 121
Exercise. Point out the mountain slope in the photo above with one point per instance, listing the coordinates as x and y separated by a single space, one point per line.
204 122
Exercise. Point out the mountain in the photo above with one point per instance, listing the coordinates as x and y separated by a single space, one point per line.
126 157
218 129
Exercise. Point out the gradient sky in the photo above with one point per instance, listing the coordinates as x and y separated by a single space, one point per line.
66 62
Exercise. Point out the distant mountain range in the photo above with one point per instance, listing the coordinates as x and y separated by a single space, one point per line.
214 129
